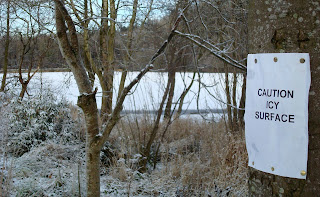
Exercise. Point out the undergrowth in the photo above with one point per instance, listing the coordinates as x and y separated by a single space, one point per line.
197 157
42 154
39 119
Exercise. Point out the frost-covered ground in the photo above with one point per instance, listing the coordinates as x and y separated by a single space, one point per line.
42 152
55 170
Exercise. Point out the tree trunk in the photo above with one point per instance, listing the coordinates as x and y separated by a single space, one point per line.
93 172
88 61
183 95
88 104
234 102
242 102
107 39
289 26
69 47
172 82
230 125
23 89
6 50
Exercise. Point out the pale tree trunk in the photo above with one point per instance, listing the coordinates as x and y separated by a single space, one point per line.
6 50
109 67
289 26
69 48
107 37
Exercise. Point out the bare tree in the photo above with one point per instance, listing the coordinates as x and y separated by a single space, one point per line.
68 41
26 47
33 41
219 27
175 55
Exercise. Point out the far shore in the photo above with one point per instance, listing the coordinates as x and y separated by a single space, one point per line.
216 70
40 70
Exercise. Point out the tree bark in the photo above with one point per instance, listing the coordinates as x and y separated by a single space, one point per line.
69 47
23 90
289 26
6 50
88 104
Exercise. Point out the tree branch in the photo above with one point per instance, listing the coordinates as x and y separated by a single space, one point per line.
115 115
212 49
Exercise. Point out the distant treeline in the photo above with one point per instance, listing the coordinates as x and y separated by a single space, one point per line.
43 51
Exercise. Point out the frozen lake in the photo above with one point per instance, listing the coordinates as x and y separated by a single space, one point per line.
206 94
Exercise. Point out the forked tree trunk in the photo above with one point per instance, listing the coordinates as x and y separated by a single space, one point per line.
289 26
23 89
69 48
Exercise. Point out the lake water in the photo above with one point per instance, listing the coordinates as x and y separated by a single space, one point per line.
206 93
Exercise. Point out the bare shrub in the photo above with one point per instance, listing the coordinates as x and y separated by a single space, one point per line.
34 120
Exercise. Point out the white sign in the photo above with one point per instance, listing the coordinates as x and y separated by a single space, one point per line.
276 116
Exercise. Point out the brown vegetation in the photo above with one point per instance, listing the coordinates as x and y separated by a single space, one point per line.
200 156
